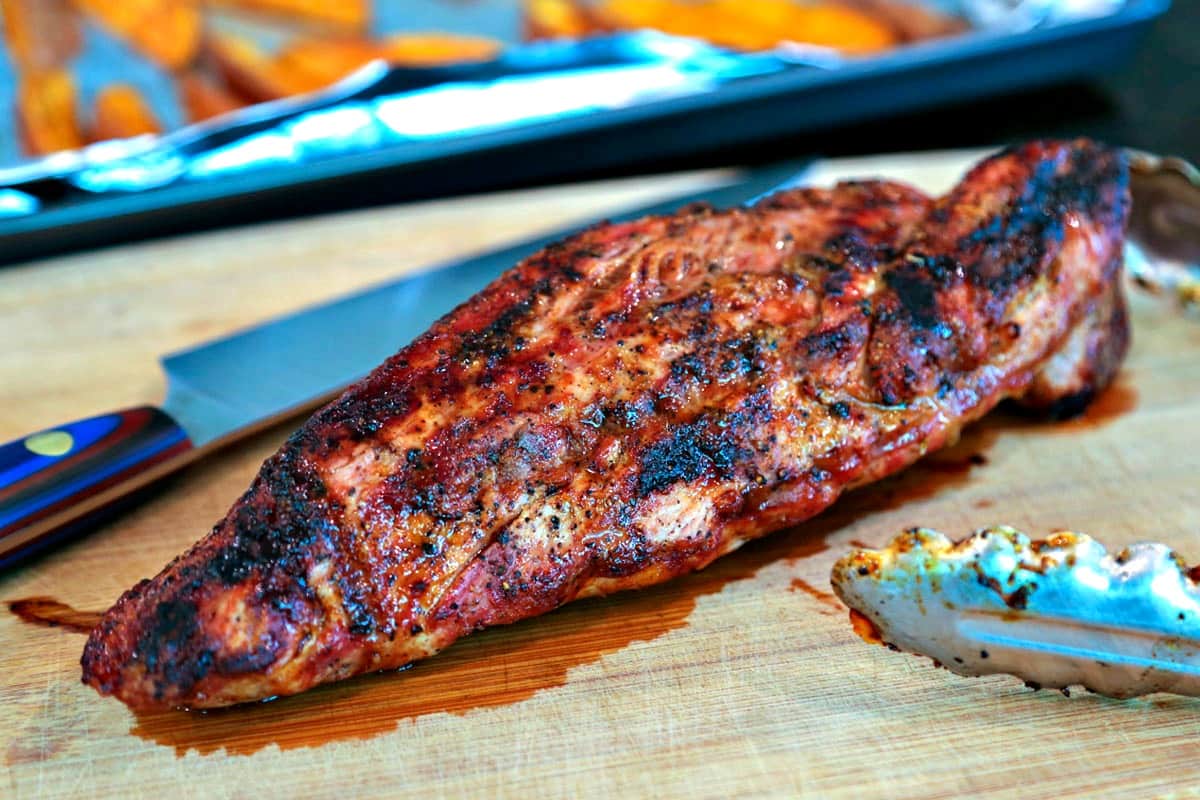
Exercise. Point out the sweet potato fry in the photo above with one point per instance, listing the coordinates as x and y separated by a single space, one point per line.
166 31
912 21
312 64
432 49
841 28
179 27
346 15
250 72
121 113
753 24
202 98
40 34
46 112
634 14
555 19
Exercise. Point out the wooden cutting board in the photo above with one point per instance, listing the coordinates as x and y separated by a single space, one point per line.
742 680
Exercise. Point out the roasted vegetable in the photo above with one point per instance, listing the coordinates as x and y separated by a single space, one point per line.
122 112
433 48
202 97
47 112
166 31
316 63
549 19
752 24
250 72
353 15
328 41
40 34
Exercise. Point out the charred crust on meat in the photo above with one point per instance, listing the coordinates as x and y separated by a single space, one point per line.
852 251
711 446
275 527
917 291
172 628
835 285
493 341
250 661
358 609
834 342
688 453
1072 405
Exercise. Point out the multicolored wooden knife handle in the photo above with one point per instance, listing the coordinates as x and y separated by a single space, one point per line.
61 481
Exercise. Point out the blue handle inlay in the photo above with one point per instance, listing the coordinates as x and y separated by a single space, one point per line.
45 477
17 461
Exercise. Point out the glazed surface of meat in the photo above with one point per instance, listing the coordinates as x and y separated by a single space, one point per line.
627 406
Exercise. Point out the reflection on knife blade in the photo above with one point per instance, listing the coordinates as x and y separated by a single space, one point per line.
1058 612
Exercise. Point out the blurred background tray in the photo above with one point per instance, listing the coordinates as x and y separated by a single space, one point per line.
73 200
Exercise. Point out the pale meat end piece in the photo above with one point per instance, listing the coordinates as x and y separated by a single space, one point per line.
628 405
1057 612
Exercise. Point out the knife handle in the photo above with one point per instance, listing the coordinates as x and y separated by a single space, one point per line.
61 481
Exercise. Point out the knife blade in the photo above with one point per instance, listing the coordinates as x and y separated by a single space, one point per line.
63 481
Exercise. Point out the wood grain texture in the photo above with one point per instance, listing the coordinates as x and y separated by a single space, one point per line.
742 680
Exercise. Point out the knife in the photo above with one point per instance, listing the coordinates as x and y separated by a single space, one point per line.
61 482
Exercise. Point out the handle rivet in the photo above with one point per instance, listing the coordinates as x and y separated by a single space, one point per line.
50 443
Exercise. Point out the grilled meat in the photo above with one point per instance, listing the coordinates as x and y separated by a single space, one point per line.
628 405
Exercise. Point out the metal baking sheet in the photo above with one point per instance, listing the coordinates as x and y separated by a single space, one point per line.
546 107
